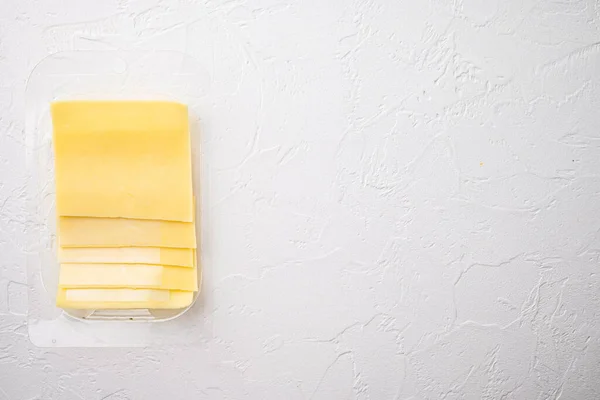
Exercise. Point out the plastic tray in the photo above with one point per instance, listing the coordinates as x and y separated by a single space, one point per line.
96 75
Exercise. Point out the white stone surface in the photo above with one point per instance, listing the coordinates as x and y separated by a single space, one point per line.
405 200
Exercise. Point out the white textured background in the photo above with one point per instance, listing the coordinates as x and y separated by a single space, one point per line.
405 200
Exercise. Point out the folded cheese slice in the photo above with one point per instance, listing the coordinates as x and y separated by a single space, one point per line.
123 298
129 159
122 232
135 276
127 255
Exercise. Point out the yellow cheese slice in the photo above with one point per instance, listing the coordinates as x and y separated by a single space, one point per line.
136 276
129 159
121 232
127 255
123 298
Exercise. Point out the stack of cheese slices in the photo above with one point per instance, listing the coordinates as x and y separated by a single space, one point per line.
125 205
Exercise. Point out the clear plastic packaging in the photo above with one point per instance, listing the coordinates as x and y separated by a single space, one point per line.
102 75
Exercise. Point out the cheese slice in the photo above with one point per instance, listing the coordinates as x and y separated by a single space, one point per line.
135 276
127 255
121 232
129 159
123 298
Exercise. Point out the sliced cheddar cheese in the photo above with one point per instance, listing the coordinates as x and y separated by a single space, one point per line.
127 255
128 159
123 298
121 232
137 276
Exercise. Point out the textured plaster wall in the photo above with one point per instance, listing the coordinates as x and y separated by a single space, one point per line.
404 200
